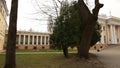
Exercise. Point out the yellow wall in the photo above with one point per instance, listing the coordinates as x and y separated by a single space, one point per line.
3 24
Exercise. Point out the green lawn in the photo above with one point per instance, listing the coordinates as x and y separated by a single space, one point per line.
40 50
52 61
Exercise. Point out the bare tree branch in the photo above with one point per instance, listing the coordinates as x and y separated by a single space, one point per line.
55 3
97 8
59 1
41 9
55 6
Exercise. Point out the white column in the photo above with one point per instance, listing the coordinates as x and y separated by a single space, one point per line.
19 40
41 40
28 39
107 34
102 37
36 40
23 39
119 34
33 40
115 37
112 34
45 40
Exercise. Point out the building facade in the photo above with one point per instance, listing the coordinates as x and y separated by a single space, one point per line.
110 30
31 40
110 34
3 23
110 27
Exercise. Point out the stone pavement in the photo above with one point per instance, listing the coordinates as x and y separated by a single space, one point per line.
110 56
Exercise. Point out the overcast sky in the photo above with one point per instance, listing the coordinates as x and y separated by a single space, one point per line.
27 13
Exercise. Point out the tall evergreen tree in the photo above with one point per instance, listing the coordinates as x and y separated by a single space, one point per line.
60 38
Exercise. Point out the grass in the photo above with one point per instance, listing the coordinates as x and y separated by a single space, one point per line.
52 61
40 50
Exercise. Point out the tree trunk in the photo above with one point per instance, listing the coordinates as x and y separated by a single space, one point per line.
10 61
90 20
85 42
65 51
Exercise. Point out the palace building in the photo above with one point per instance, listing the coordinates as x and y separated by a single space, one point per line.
3 23
31 40
110 34
110 30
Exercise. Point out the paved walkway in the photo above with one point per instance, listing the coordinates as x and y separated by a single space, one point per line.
110 56
39 52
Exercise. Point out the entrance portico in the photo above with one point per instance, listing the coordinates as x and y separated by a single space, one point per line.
110 30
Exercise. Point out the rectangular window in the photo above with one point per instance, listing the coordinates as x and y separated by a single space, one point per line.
17 37
103 27
35 39
104 39
6 36
39 38
43 40
47 40
117 40
22 37
26 39
30 39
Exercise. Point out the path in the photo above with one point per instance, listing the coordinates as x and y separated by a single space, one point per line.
110 56
39 52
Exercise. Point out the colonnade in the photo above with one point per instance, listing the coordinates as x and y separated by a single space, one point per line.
26 39
113 35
